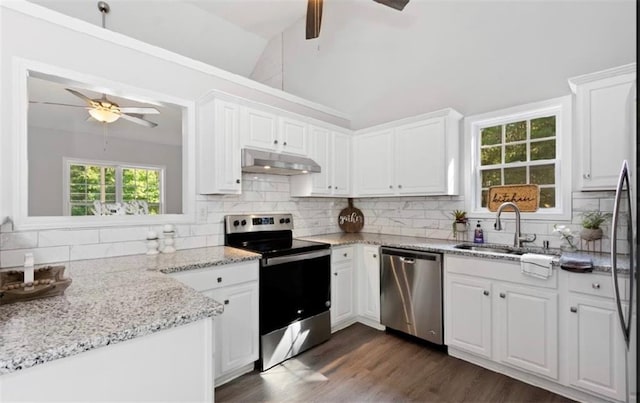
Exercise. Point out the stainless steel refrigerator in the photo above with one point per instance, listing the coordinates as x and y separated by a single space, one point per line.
624 211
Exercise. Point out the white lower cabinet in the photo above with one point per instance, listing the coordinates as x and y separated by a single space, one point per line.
512 322
236 330
369 285
342 284
468 314
595 346
527 324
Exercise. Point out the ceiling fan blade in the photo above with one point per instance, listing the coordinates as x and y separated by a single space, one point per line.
57 104
138 120
314 18
139 110
81 96
397 4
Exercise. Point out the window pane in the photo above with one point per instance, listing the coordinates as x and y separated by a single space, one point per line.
515 153
154 209
491 177
516 132
78 210
491 155
77 197
543 127
543 174
547 197
485 194
543 150
78 188
491 135
515 176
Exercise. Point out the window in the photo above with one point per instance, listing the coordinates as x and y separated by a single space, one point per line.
110 182
522 145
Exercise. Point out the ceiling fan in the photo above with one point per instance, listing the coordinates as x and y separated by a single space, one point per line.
314 14
106 111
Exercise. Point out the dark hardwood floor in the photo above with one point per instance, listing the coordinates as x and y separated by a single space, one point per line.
363 364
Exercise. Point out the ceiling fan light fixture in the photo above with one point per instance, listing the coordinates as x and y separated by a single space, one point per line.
103 115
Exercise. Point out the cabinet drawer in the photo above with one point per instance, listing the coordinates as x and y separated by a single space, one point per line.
599 285
218 276
342 254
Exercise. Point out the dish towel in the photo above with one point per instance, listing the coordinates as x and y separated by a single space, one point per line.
538 266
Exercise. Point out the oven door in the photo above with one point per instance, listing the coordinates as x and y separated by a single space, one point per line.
294 287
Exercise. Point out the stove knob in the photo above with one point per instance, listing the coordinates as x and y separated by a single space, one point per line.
282 221
244 222
288 220
236 223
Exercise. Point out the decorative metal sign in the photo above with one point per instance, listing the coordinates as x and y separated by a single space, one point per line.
524 196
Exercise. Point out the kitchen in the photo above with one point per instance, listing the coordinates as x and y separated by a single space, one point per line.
421 213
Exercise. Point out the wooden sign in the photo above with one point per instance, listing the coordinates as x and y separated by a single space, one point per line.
351 219
524 196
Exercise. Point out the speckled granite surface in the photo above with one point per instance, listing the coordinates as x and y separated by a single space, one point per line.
601 261
110 300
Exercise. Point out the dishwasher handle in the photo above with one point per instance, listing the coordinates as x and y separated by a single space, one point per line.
407 260
409 256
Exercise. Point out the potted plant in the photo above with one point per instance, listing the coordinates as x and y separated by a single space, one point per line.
460 220
591 221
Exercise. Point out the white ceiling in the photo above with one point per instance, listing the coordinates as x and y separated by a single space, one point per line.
266 18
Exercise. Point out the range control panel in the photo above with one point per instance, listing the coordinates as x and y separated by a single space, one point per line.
234 224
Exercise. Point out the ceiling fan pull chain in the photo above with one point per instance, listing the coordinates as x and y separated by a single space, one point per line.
104 10
104 137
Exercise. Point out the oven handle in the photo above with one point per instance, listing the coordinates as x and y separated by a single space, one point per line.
266 262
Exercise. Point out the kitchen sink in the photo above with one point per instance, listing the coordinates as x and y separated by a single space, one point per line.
504 249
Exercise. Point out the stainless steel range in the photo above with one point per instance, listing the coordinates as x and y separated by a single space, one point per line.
295 284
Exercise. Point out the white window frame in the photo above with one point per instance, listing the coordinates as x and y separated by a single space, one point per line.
119 166
562 109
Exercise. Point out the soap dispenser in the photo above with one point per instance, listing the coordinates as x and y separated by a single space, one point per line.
478 234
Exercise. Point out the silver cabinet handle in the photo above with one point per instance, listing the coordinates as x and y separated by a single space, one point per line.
595 286
573 309
375 256
503 295
346 254
586 176
329 187
335 274
275 141
284 144
390 186
238 181
226 302
399 186
219 279
335 187
485 292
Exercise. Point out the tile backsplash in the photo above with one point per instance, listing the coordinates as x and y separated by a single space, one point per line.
413 216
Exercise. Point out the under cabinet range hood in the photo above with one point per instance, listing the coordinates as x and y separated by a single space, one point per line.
265 162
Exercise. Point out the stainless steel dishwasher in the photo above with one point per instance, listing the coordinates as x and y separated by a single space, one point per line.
411 293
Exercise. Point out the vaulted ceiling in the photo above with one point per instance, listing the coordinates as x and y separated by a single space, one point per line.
377 64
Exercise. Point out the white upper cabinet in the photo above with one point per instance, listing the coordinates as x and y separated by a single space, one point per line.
218 147
605 124
415 156
268 131
331 150
374 163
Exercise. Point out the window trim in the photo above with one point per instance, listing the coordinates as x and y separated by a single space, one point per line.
562 108
119 166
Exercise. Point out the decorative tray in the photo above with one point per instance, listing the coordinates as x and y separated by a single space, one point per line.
48 281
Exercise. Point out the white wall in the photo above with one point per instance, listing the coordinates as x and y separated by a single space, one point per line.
48 148
174 25
377 64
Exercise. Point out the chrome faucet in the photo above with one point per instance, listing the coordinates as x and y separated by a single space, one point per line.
518 239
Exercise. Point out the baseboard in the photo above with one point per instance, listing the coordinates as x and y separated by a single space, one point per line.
370 323
343 324
233 374
531 379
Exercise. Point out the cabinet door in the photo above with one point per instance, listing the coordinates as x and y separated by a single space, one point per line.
227 151
527 322
218 147
596 347
319 143
293 136
420 157
259 129
237 328
468 314
370 284
373 163
606 117
340 164
341 292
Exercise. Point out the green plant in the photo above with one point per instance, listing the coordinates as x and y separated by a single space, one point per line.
593 219
459 216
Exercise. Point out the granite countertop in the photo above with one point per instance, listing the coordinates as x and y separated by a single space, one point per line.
109 301
601 261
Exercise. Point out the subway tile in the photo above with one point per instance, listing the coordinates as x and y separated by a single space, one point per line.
18 240
103 250
15 257
108 235
68 237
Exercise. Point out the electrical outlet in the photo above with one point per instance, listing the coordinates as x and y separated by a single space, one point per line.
202 214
